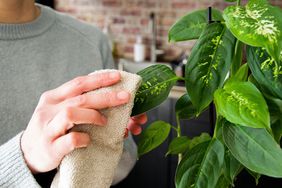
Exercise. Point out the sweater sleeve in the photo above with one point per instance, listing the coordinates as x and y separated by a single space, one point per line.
13 169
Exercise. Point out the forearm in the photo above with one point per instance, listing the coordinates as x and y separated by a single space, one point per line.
13 169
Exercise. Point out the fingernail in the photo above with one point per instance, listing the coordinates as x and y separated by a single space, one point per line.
122 95
114 75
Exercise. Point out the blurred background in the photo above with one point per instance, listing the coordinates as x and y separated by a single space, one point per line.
137 31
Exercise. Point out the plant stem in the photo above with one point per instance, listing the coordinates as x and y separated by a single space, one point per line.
181 78
238 2
174 128
178 135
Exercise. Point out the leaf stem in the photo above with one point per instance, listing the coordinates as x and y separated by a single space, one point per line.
181 78
178 135
174 128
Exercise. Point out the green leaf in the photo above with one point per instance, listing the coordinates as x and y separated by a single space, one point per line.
157 81
223 182
232 167
266 70
238 56
191 25
184 108
254 148
230 0
255 175
277 130
201 166
208 64
241 75
153 136
242 103
275 110
178 145
257 24
204 137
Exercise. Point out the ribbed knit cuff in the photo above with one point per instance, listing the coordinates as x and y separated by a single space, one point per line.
13 169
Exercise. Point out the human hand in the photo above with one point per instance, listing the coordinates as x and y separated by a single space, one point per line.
46 139
134 124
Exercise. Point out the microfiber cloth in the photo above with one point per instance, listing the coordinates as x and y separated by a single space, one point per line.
95 165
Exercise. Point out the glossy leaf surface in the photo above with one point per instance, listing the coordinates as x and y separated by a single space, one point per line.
201 166
203 137
157 81
242 103
267 71
184 108
257 24
191 25
208 64
232 167
153 136
241 75
254 148
178 145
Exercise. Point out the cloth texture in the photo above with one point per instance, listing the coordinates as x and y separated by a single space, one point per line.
95 165
36 57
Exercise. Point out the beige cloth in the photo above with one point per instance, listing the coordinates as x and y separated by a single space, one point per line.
95 165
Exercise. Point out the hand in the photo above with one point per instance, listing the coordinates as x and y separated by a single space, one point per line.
134 124
46 139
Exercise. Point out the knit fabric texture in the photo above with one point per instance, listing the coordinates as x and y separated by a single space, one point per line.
36 57
95 165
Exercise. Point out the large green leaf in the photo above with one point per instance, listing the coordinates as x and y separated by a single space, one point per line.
157 81
191 25
277 130
153 136
184 108
178 145
232 167
275 110
201 166
254 148
266 70
208 64
204 137
257 24
242 103
223 182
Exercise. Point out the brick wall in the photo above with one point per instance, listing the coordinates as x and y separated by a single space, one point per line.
129 18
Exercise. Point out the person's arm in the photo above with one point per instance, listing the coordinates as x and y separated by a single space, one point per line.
13 169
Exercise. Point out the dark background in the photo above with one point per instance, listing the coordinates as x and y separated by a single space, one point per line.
154 170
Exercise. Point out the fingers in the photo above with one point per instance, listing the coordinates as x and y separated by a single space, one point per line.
134 127
67 143
98 100
80 85
141 119
66 119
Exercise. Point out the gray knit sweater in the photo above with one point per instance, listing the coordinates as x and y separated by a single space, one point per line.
36 57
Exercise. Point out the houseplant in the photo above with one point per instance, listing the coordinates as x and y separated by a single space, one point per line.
247 96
